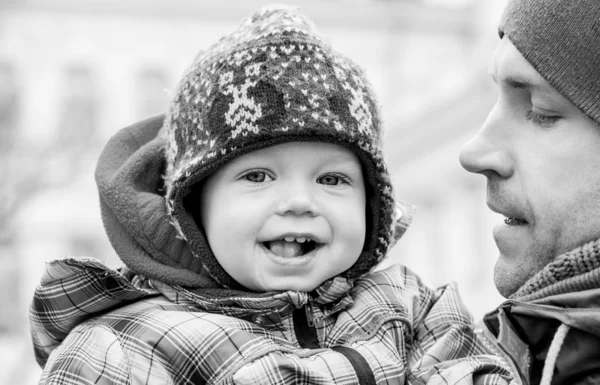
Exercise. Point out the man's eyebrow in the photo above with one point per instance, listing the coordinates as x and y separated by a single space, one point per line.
523 83
519 82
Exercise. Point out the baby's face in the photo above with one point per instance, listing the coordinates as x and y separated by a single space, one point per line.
287 217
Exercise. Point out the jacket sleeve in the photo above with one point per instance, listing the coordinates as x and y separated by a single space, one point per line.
95 355
446 348
316 367
89 355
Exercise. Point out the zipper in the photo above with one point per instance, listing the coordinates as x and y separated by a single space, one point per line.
308 308
304 326
490 341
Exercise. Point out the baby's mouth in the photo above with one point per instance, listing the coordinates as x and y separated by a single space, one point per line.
290 247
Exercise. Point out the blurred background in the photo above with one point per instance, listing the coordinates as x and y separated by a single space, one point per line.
73 72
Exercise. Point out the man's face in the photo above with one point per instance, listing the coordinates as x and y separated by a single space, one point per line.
541 157
287 217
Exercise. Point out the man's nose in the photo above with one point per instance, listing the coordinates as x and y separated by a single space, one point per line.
488 152
297 197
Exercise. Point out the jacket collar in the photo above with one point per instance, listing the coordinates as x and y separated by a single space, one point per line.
75 289
576 270
332 296
565 292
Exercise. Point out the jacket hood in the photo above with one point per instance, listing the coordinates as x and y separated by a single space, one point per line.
552 340
129 179
129 175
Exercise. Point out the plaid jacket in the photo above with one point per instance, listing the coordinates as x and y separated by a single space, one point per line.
95 325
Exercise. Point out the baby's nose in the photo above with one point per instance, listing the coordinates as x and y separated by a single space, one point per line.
297 198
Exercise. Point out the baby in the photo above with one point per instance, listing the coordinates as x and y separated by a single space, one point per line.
259 269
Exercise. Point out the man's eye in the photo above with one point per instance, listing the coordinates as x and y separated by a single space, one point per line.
256 176
542 120
332 180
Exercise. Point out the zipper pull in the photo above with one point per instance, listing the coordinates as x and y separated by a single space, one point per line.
308 309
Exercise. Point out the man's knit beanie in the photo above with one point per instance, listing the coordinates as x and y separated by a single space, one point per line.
561 40
273 81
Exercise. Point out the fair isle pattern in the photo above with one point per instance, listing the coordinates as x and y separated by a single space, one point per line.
273 81
406 332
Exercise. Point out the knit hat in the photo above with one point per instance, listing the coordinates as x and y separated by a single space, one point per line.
273 81
561 40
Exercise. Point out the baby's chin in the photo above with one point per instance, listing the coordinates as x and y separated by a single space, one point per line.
286 284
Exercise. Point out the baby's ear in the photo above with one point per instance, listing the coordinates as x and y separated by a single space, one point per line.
403 215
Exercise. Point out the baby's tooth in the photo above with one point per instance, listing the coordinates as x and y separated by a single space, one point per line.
289 239
300 240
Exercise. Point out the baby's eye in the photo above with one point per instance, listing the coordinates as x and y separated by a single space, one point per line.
332 179
256 176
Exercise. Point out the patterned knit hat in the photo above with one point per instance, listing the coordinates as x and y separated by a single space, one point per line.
269 82
561 40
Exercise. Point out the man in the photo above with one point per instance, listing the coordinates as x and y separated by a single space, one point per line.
540 152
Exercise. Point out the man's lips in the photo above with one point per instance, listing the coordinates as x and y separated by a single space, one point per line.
510 221
512 217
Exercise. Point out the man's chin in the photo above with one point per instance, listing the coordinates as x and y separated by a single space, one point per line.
509 276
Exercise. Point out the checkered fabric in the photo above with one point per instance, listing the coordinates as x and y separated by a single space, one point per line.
94 325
